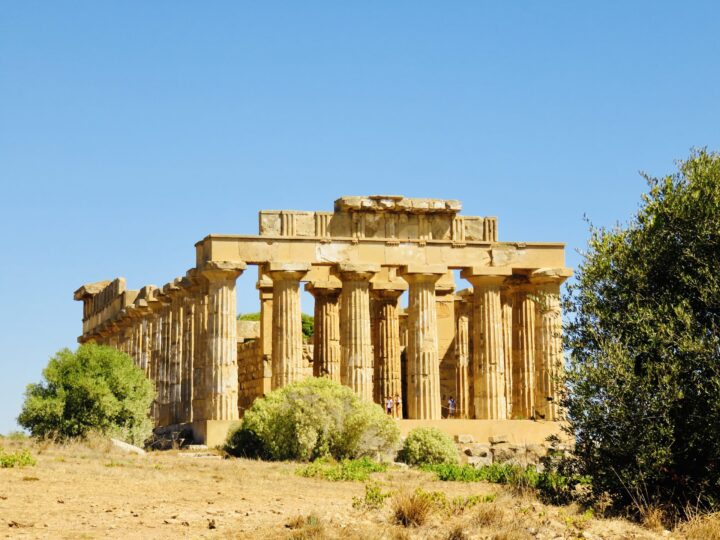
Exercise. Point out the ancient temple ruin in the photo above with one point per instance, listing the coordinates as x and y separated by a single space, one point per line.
494 345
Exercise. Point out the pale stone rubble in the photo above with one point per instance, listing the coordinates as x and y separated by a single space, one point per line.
495 347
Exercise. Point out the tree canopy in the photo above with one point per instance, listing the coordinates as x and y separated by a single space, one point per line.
643 378
95 388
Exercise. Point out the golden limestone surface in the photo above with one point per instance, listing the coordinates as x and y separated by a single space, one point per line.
492 351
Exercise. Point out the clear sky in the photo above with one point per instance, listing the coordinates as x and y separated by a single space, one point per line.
130 130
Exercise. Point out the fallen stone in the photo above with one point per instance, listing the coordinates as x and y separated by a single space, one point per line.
498 439
502 453
479 450
477 461
126 447
464 439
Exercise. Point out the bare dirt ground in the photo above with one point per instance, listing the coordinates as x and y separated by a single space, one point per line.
95 491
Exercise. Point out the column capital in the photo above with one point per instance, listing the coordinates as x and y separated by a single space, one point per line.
357 272
414 273
332 286
287 270
543 276
222 270
486 275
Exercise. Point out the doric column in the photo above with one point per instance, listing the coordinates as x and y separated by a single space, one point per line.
488 353
386 341
164 367
548 340
326 335
462 349
154 357
265 288
287 357
221 346
200 381
506 301
422 350
356 361
175 293
523 319
186 383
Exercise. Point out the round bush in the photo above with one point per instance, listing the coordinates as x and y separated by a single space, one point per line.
428 446
311 419
96 388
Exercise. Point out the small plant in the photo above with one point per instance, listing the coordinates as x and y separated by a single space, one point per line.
488 515
428 446
306 528
462 503
411 509
20 458
457 533
374 498
347 469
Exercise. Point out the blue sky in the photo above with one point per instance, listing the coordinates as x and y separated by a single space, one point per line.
130 130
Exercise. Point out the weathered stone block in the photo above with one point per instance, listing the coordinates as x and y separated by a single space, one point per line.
477 461
502 452
498 439
464 439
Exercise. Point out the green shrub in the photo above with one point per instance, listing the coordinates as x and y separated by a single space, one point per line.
550 485
94 389
20 458
428 446
347 469
312 419
374 498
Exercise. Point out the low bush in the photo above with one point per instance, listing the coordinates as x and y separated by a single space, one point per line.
374 498
412 509
312 419
550 485
19 458
428 446
347 469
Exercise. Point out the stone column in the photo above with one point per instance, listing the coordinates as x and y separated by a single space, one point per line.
200 381
164 365
506 301
265 287
356 361
462 349
488 353
287 354
422 350
326 336
186 383
386 334
523 318
548 341
175 350
221 346
154 353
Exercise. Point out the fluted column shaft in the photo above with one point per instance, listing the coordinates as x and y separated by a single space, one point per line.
356 362
523 354
326 336
175 356
386 331
201 381
462 344
549 350
488 348
186 387
507 332
287 357
221 346
422 348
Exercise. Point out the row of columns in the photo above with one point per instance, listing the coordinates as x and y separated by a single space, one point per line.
184 336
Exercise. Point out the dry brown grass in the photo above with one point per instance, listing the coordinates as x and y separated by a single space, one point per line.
92 490
653 518
702 527
410 509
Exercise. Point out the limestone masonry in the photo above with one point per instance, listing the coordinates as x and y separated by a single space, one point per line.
495 348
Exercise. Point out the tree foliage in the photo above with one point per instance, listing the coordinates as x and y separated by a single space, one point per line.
95 388
643 381
312 419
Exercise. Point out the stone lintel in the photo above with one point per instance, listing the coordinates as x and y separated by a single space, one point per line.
397 203
398 285
323 286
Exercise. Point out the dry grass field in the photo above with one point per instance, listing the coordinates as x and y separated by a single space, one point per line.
92 490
